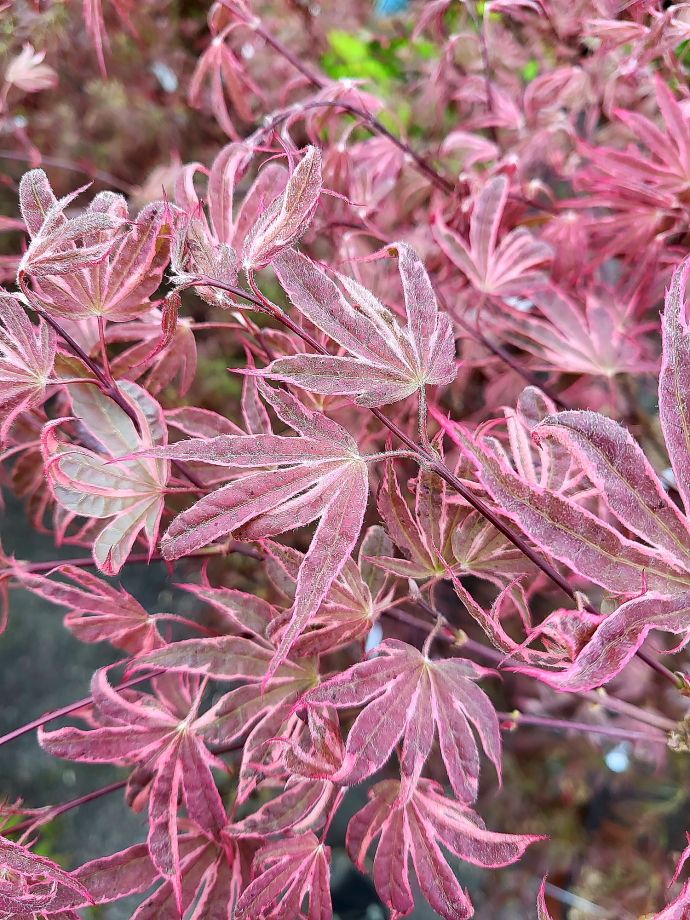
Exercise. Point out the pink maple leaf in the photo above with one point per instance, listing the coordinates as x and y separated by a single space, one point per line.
84 482
385 363
319 475
414 829
98 612
513 266
32 886
27 354
259 710
407 695
157 735
286 871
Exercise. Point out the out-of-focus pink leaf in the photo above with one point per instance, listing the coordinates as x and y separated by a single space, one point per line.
674 381
513 266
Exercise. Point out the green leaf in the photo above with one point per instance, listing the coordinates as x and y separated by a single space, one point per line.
530 70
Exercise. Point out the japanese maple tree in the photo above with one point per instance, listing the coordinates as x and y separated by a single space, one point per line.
386 363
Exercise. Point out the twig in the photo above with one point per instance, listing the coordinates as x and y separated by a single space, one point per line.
71 707
520 718
57 810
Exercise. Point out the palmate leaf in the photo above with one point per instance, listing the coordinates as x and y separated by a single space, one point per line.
569 532
414 829
110 878
658 570
98 612
285 872
353 603
118 285
32 885
406 695
229 85
513 266
437 536
129 495
385 363
150 733
596 338
288 217
262 709
27 354
208 243
53 249
212 875
319 475
664 172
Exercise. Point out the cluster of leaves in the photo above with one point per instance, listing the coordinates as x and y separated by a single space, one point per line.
451 336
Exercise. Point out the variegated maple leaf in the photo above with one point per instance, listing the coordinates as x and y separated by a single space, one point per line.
319 475
207 244
32 886
285 872
407 695
655 568
353 603
308 793
119 264
288 217
230 88
164 349
513 266
27 355
54 248
159 736
263 708
414 828
660 178
213 872
129 496
28 72
437 535
384 362
98 611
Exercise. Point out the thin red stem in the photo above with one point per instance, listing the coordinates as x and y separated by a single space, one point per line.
105 177
71 707
104 352
57 810
519 718
233 546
